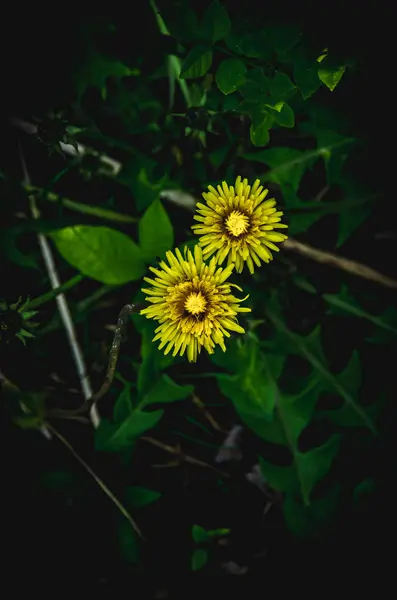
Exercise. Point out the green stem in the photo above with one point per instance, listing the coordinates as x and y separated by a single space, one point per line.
54 293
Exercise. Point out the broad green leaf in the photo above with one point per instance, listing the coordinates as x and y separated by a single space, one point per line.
285 117
344 303
199 559
199 534
101 253
123 406
128 541
284 37
216 23
262 120
306 77
197 62
230 75
310 348
330 75
181 21
156 235
281 86
256 86
137 496
165 390
307 521
254 44
114 437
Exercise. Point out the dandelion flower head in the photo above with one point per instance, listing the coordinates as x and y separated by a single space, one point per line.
239 223
193 304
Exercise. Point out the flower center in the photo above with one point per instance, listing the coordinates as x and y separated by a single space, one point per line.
237 223
195 303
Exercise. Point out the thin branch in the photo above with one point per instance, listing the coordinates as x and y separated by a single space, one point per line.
200 404
339 262
187 201
176 451
90 402
98 480
61 302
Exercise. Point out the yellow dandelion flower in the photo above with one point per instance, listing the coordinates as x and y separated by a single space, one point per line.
193 304
238 223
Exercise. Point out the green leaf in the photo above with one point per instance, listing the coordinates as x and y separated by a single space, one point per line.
310 348
166 390
128 541
123 406
199 559
284 38
101 253
156 235
256 86
314 465
199 534
287 164
153 360
344 303
114 437
285 117
307 521
306 77
350 220
280 479
197 62
330 75
136 496
230 75
216 23
96 69
259 130
281 86
253 389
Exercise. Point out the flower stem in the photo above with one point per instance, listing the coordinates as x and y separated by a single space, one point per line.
54 293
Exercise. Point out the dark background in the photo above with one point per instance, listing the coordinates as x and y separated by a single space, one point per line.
45 542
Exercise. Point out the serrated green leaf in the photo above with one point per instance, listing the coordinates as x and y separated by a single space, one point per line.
166 390
197 62
216 23
115 437
101 253
310 348
287 164
330 75
123 406
313 465
156 235
306 521
344 303
230 75
199 559
281 479
137 496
